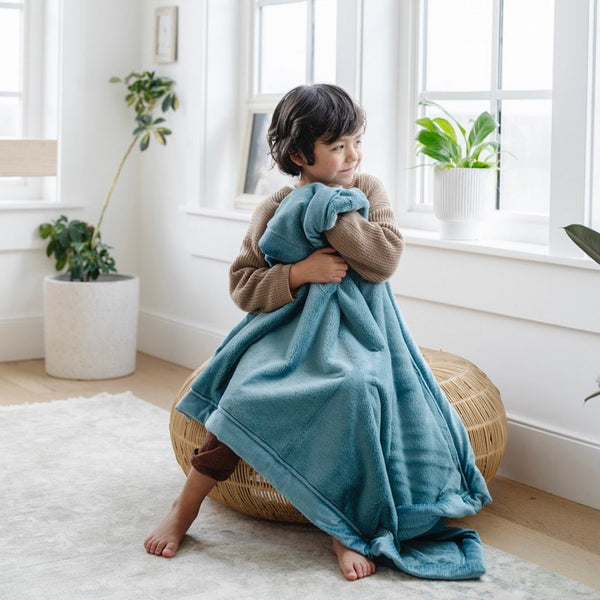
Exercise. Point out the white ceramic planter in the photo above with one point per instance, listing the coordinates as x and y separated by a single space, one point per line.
462 199
90 328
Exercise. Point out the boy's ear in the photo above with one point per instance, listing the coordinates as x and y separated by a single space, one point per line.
297 159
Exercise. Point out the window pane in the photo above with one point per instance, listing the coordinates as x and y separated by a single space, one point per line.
325 23
464 111
527 44
525 167
10 49
282 56
459 44
10 117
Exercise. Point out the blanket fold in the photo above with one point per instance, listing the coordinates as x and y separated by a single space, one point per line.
330 399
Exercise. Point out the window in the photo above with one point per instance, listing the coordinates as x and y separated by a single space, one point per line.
11 86
532 63
24 157
497 56
303 32
294 42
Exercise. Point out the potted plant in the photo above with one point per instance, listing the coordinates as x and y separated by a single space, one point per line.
465 165
90 310
589 241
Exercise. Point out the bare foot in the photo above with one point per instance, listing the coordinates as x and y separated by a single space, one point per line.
166 536
352 564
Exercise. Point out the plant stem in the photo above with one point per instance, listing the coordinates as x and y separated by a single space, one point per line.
110 191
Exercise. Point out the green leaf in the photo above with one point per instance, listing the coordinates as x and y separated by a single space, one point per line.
44 230
592 396
174 102
440 144
145 141
166 103
439 156
587 239
160 138
439 107
484 125
426 123
114 79
446 127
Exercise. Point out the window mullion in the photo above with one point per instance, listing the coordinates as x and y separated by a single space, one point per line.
496 67
310 41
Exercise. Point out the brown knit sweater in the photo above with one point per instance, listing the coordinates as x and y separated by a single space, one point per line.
372 248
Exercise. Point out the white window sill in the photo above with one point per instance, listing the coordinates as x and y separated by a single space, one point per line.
37 204
506 249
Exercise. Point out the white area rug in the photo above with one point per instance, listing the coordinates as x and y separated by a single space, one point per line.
83 481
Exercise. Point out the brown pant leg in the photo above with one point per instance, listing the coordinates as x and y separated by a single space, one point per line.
214 458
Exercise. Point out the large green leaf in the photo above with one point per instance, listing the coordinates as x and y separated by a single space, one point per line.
587 239
484 125
426 123
439 143
446 127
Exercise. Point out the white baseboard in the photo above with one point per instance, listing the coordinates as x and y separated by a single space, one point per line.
175 341
554 462
21 339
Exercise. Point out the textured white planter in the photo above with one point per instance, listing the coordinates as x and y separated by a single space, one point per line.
90 328
462 199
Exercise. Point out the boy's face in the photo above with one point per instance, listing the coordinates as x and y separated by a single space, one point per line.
335 163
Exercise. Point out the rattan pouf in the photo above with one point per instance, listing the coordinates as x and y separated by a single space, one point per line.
468 389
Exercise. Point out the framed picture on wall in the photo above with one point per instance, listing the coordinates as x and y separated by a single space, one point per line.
259 175
165 34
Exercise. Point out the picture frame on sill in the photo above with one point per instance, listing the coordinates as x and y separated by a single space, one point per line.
165 34
259 175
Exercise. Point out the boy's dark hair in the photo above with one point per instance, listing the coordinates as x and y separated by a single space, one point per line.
308 113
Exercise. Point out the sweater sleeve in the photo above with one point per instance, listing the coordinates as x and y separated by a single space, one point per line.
371 247
254 286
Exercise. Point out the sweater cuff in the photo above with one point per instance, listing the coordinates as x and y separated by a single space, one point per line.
282 292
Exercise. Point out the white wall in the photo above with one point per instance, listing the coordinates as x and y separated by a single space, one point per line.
531 325
99 39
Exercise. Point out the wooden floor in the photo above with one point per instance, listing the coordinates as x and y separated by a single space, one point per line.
555 533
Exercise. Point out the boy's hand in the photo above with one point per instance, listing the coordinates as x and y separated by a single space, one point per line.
322 266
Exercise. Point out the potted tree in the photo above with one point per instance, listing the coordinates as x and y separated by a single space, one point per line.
90 310
465 165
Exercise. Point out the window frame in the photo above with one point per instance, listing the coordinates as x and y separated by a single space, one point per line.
27 159
348 73
571 148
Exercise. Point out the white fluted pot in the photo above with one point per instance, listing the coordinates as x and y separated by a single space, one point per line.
462 199
90 328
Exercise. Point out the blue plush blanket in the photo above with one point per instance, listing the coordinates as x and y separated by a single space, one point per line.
331 401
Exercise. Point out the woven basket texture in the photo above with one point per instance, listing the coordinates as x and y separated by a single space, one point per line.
469 390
